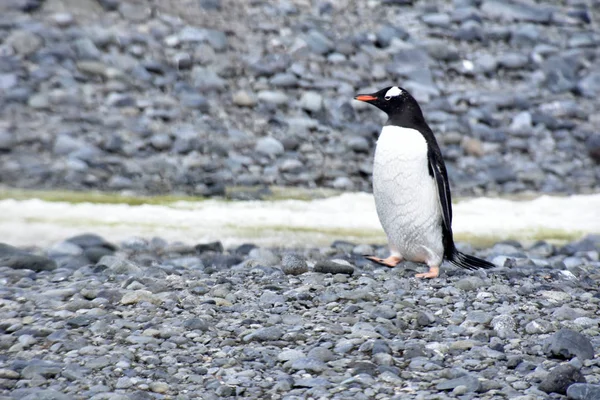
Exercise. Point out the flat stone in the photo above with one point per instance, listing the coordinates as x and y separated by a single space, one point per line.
471 383
243 98
333 267
24 42
120 266
15 258
269 146
264 334
583 391
308 364
568 344
311 101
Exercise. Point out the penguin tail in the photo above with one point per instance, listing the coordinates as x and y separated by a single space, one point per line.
466 261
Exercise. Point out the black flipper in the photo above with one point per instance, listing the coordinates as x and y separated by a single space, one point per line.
437 169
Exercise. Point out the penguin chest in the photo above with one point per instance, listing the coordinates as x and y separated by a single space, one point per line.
406 196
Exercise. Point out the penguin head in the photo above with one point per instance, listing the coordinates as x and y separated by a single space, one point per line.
391 100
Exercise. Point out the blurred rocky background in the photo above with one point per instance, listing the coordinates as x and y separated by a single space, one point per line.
197 96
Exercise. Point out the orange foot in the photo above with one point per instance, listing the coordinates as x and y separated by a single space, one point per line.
433 272
391 261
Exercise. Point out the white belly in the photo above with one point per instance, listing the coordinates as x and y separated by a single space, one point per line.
406 196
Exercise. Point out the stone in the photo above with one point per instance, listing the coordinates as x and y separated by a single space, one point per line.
504 325
139 296
264 334
589 85
264 257
333 267
15 258
159 387
308 364
318 42
244 98
567 344
269 146
273 97
311 101
290 355
7 140
509 11
91 240
471 383
136 12
199 324
292 264
583 391
217 247
24 42
560 378
469 283
205 79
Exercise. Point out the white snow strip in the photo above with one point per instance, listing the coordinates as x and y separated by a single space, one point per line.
286 223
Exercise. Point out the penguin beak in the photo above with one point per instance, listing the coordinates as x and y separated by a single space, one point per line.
365 97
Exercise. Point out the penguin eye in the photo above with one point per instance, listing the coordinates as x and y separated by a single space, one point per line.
387 97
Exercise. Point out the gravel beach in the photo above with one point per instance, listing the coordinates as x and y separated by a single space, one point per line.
197 96
147 319
203 96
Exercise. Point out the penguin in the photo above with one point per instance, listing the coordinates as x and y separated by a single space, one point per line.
411 189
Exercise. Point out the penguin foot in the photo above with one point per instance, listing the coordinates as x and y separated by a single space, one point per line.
391 261
433 272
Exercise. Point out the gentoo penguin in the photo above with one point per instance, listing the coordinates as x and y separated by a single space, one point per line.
411 190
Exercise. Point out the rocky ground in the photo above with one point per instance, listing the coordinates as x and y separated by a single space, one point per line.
195 96
147 319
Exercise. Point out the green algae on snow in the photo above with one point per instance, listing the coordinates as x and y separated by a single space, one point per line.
75 197
236 193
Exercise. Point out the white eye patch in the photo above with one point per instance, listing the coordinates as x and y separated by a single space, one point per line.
393 92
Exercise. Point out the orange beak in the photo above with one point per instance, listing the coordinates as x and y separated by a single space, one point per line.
365 97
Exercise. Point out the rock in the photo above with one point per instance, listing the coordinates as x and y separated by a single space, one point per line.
583 391
504 326
269 146
159 387
358 144
264 334
292 264
213 246
311 101
120 266
560 378
318 42
243 98
471 383
308 364
290 355
24 42
469 283
136 12
273 97
473 147
568 344
515 11
15 258
139 296
589 86
205 79
334 267
90 240
7 141
263 257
